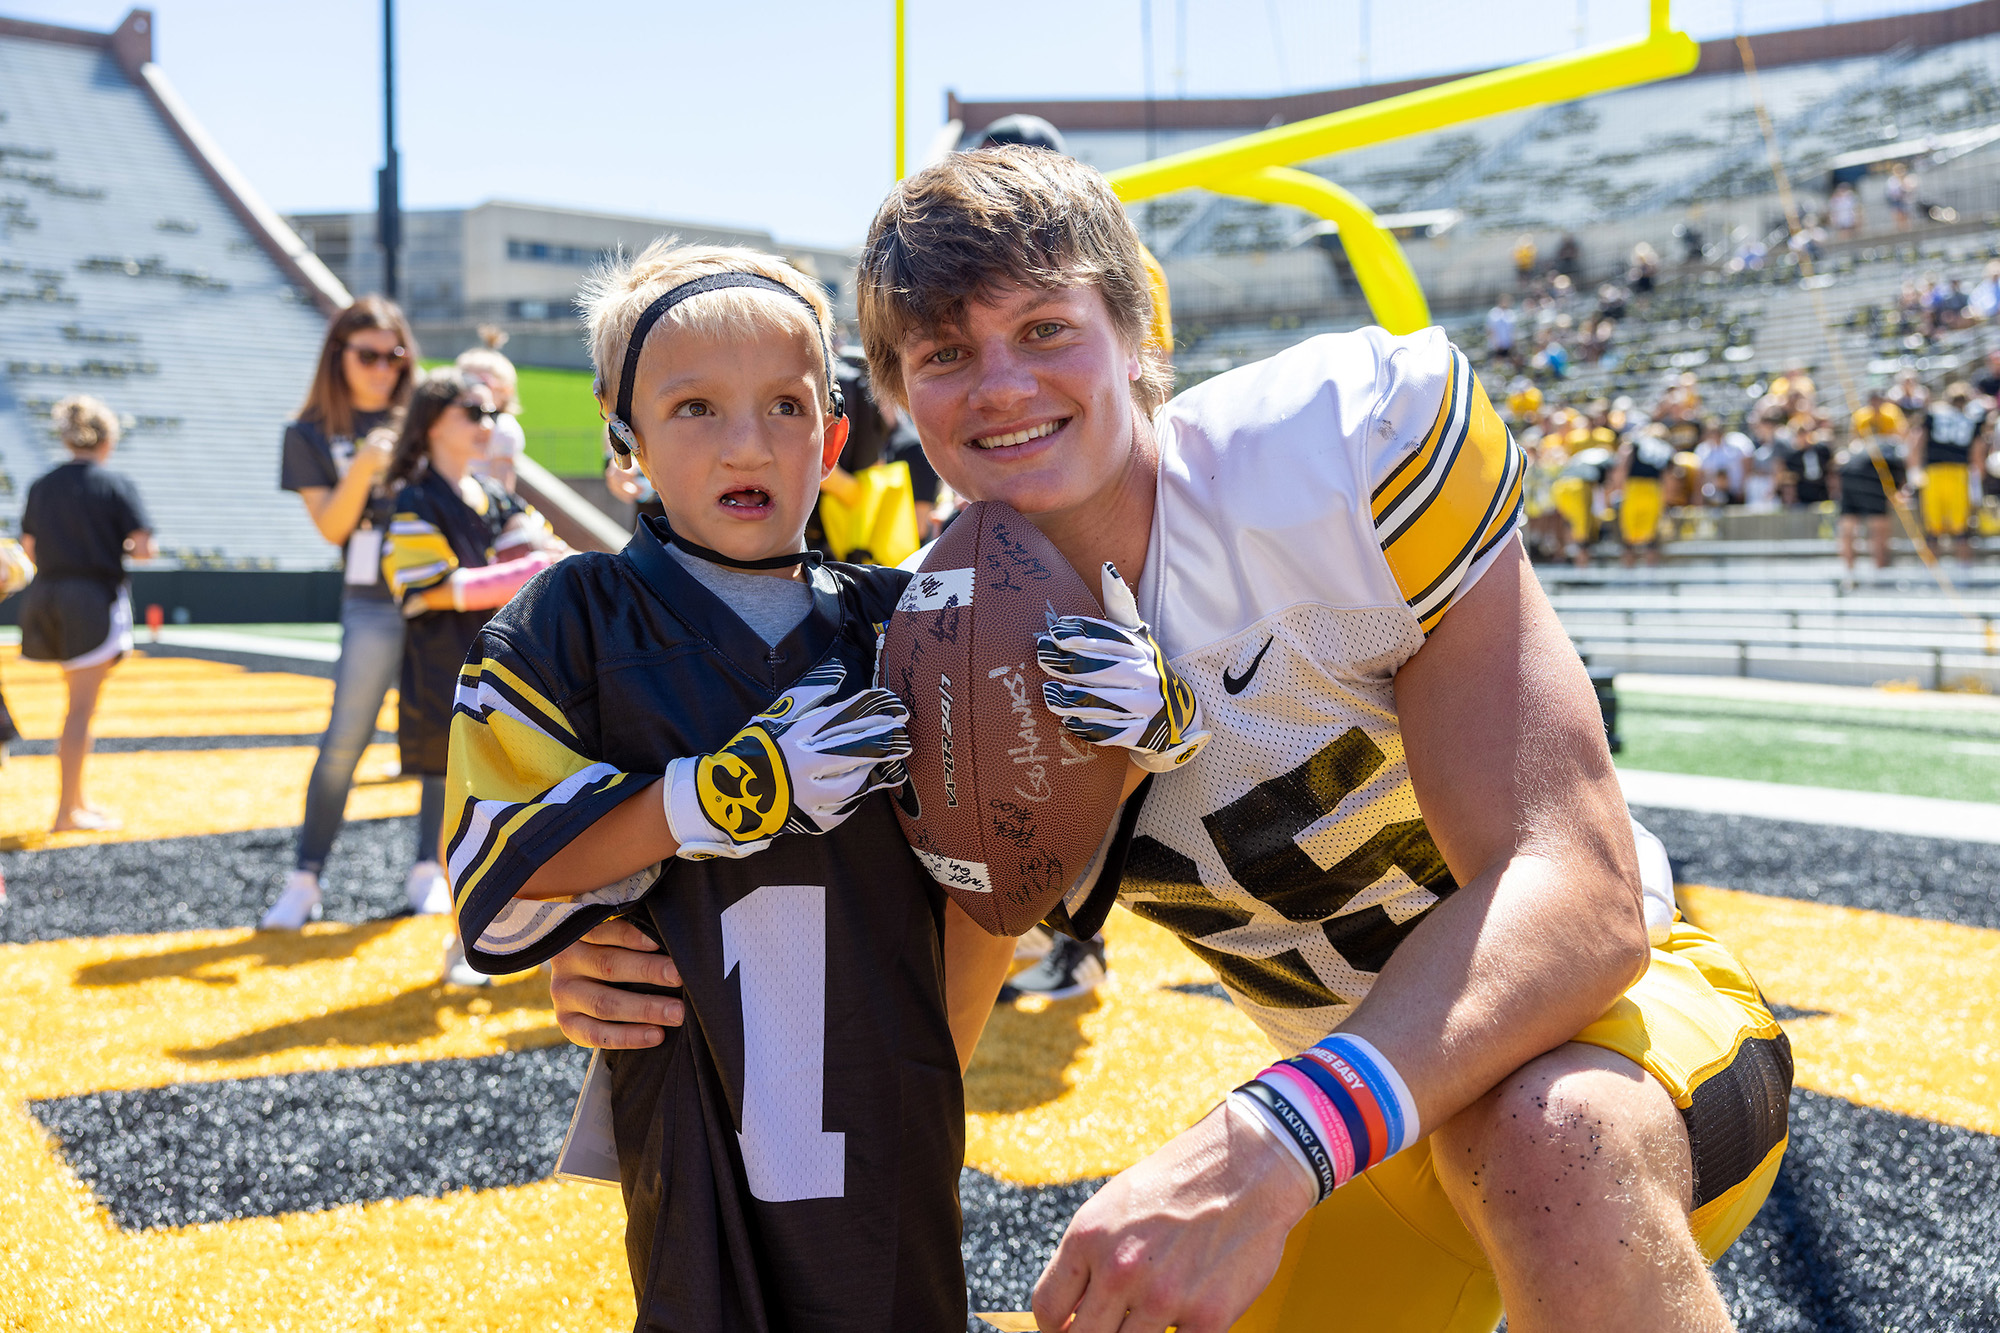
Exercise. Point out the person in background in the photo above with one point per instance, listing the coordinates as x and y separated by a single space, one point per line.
1988 381
1644 273
16 573
1859 469
80 522
1910 396
1525 252
1982 303
1642 461
1843 210
1500 328
1574 493
334 455
1569 256
459 547
1947 453
485 365
1807 465
1900 191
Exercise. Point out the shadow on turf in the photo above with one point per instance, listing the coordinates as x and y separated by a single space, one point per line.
1024 1055
267 948
413 1016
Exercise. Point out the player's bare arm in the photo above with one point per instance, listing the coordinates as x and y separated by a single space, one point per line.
1510 765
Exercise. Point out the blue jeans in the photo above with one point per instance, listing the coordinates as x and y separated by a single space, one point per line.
371 656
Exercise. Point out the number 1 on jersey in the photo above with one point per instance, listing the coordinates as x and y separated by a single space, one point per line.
778 936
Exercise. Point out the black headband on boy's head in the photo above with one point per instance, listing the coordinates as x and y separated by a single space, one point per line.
623 438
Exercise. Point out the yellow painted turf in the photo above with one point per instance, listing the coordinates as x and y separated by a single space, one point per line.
1063 1092
175 696
139 1011
1087 1087
179 793
1907 1016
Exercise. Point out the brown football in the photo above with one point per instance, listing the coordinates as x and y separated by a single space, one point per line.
1010 806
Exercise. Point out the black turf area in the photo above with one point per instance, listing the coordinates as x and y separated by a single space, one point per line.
1933 878
1010 1234
210 882
212 1152
1877 1222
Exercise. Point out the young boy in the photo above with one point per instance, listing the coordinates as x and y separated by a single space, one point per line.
654 735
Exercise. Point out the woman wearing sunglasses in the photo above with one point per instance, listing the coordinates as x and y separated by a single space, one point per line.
459 547
334 457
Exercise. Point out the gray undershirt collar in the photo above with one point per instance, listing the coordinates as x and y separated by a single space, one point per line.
772 607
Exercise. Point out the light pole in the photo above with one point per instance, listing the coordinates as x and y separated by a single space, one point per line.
388 202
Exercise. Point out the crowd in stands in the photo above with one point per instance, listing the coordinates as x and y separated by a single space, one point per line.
1623 438
1927 448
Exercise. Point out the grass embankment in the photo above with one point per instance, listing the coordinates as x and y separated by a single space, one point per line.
1910 753
559 414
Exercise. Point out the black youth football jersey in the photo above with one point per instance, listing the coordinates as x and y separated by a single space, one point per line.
790 1154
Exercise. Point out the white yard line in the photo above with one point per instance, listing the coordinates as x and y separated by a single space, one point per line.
265 645
1752 690
1922 816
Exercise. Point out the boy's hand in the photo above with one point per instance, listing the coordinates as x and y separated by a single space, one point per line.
1113 685
797 767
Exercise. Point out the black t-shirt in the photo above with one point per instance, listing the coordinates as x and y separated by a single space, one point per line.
1949 433
1861 483
80 515
1811 466
790 1153
436 533
313 458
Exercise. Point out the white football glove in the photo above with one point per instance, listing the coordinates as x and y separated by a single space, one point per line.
1113 686
799 766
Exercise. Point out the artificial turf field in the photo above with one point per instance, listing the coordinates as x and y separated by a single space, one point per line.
204 1127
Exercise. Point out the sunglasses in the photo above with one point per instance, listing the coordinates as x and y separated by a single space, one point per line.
478 413
370 358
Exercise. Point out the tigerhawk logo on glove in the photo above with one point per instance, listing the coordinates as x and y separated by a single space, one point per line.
800 766
743 788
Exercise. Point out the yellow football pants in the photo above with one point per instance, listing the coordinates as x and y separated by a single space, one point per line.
1388 1252
1639 512
1947 499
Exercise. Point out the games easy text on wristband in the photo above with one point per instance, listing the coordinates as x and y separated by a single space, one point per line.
1342 1103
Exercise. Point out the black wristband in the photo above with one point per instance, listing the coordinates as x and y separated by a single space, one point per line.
1295 1123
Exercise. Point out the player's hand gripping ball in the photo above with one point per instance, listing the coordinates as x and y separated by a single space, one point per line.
1113 686
800 766
1006 808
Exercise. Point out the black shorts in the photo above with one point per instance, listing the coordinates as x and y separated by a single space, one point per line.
78 622
1865 505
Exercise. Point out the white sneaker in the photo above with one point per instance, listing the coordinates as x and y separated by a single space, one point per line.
1033 945
298 904
429 890
458 972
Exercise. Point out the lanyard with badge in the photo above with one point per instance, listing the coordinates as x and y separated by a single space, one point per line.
363 566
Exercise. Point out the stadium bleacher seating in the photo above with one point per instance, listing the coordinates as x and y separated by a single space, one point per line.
127 275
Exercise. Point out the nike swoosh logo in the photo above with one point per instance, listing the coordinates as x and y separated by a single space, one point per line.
1235 684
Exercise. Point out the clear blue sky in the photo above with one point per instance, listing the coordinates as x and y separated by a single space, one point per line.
775 115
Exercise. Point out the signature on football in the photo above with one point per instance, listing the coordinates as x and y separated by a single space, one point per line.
1013 560
1031 761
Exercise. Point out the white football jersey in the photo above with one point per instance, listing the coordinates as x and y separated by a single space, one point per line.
1316 515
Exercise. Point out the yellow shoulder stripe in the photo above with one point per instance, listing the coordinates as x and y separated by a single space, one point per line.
1443 521
1411 473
